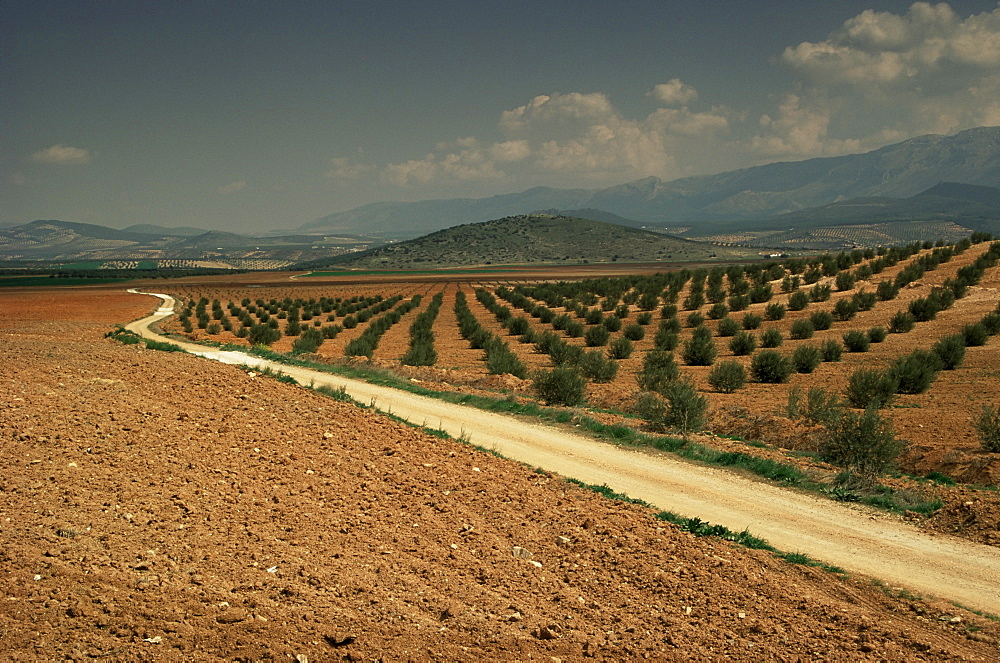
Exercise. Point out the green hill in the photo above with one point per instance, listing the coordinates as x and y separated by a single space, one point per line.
533 239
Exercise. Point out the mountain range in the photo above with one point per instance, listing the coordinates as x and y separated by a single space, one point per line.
752 198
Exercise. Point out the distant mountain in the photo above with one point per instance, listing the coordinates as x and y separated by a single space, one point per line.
536 238
972 206
164 231
762 192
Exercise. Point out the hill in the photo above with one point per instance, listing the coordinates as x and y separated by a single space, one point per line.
762 192
536 238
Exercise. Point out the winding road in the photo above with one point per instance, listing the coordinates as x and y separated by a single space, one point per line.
854 538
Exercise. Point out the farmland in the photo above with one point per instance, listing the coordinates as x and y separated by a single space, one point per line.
604 328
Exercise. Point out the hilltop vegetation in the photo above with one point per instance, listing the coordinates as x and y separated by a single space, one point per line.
536 238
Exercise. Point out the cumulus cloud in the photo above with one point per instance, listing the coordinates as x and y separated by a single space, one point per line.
232 187
348 169
674 93
63 155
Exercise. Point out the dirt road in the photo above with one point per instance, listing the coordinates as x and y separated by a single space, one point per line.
853 538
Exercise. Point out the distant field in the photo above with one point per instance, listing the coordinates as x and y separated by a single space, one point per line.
34 281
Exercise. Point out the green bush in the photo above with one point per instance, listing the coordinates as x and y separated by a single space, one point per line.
665 339
876 334
886 291
845 309
821 320
695 319
308 341
987 425
856 341
678 407
263 334
820 293
518 326
845 281
770 338
742 344
916 371
901 322
868 387
950 350
596 336
770 366
798 301
864 301
975 335
658 368
991 323
644 318
818 407
774 311
802 329
727 376
562 385
751 321
863 443
924 309
718 311
634 332
612 323
598 366
806 358
500 360
620 348
831 350
727 327
700 350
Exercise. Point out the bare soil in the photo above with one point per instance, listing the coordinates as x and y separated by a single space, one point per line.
161 507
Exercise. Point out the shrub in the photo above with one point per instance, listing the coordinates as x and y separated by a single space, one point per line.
856 341
500 360
562 385
770 366
695 319
727 376
644 318
634 332
861 442
263 334
950 350
214 328
308 341
901 322
821 320
596 336
845 309
774 311
831 350
802 329
991 323
871 388
665 339
598 366
876 334
770 338
820 293
923 309
728 327
742 344
658 368
798 301
717 311
612 323
987 425
806 358
574 329
915 372
819 406
975 335
845 281
678 406
620 348
518 326
700 350
738 302
864 301
886 291
752 321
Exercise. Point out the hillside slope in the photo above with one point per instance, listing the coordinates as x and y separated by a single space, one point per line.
536 238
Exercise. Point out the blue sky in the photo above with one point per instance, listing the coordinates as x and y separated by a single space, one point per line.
250 116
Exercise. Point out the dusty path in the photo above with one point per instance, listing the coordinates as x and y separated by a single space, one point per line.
853 538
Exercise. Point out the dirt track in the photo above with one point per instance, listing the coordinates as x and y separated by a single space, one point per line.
853 538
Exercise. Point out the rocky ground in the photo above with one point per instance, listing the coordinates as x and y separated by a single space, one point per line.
161 507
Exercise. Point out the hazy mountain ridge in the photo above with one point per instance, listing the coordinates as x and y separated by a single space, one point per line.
750 194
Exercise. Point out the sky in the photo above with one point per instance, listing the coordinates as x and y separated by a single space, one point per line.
250 116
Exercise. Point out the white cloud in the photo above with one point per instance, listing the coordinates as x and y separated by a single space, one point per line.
674 93
233 187
62 155
348 169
